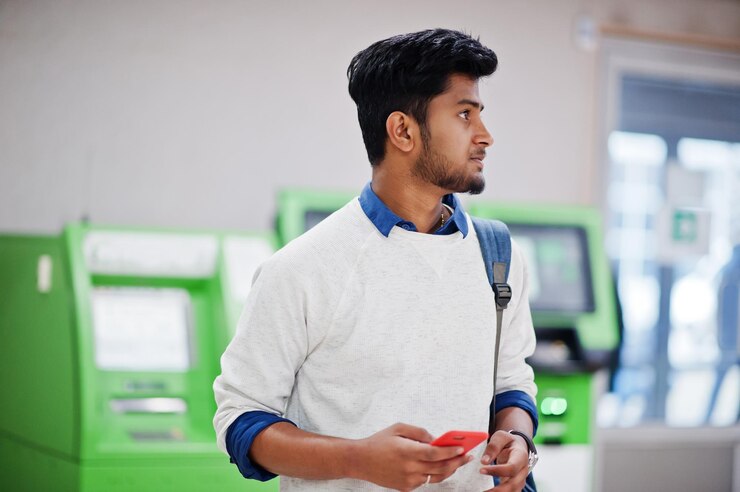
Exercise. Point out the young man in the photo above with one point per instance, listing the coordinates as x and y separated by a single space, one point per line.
374 332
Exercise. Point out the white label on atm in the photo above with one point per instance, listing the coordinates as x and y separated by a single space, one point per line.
150 254
149 405
142 329
242 257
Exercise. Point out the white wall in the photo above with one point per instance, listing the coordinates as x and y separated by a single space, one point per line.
188 113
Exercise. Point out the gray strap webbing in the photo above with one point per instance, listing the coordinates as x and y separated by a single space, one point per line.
495 245
499 277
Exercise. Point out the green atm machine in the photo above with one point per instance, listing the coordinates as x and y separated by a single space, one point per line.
111 341
574 313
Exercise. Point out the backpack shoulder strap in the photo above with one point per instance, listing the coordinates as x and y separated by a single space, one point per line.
495 244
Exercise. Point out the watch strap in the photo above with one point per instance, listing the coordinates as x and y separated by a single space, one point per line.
533 456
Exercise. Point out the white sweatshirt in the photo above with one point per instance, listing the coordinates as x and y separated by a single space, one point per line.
346 332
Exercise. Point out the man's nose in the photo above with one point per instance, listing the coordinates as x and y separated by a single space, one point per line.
483 137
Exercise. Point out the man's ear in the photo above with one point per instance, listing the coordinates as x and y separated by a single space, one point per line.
402 130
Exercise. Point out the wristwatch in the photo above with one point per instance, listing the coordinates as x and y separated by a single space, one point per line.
533 457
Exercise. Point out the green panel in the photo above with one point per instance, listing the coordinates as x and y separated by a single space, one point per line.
293 205
56 412
112 434
565 408
597 330
37 368
182 475
109 434
26 468
81 282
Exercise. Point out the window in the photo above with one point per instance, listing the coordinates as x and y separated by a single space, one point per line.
672 203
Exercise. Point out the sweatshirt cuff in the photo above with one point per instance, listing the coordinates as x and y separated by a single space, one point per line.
240 436
520 399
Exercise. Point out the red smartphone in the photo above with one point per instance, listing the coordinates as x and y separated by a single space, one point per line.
464 439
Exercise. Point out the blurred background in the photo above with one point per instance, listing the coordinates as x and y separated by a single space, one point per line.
229 123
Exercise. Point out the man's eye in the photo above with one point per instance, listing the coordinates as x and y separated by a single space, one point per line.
465 114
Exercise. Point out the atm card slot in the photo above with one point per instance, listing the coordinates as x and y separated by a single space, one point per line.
153 436
149 405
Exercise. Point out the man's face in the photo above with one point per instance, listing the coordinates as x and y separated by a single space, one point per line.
455 141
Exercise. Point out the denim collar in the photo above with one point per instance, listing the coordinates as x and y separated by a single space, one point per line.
384 219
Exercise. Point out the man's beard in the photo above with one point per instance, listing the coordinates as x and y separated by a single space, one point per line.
437 169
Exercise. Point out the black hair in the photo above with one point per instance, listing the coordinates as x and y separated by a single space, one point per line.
403 73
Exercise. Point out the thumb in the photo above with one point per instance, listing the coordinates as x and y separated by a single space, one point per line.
412 432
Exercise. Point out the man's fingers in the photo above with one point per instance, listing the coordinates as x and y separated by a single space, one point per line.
511 477
439 478
412 432
507 470
440 472
498 442
423 452
447 467
426 452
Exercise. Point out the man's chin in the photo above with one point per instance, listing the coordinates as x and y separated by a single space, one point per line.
473 186
476 186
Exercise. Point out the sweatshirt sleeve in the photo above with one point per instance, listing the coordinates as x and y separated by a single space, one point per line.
517 335
519 399
259 365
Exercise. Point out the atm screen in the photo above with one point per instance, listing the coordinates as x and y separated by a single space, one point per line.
559 271
313 217
142 329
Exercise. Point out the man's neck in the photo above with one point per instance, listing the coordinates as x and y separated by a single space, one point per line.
411 199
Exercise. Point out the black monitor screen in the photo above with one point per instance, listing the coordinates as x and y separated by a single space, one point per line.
559 271
313 217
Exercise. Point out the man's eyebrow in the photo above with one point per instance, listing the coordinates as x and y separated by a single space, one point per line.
470 102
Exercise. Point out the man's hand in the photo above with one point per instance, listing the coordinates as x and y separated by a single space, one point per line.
511 455
400 458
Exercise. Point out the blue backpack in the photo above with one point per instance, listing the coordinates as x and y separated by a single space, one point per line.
495 245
